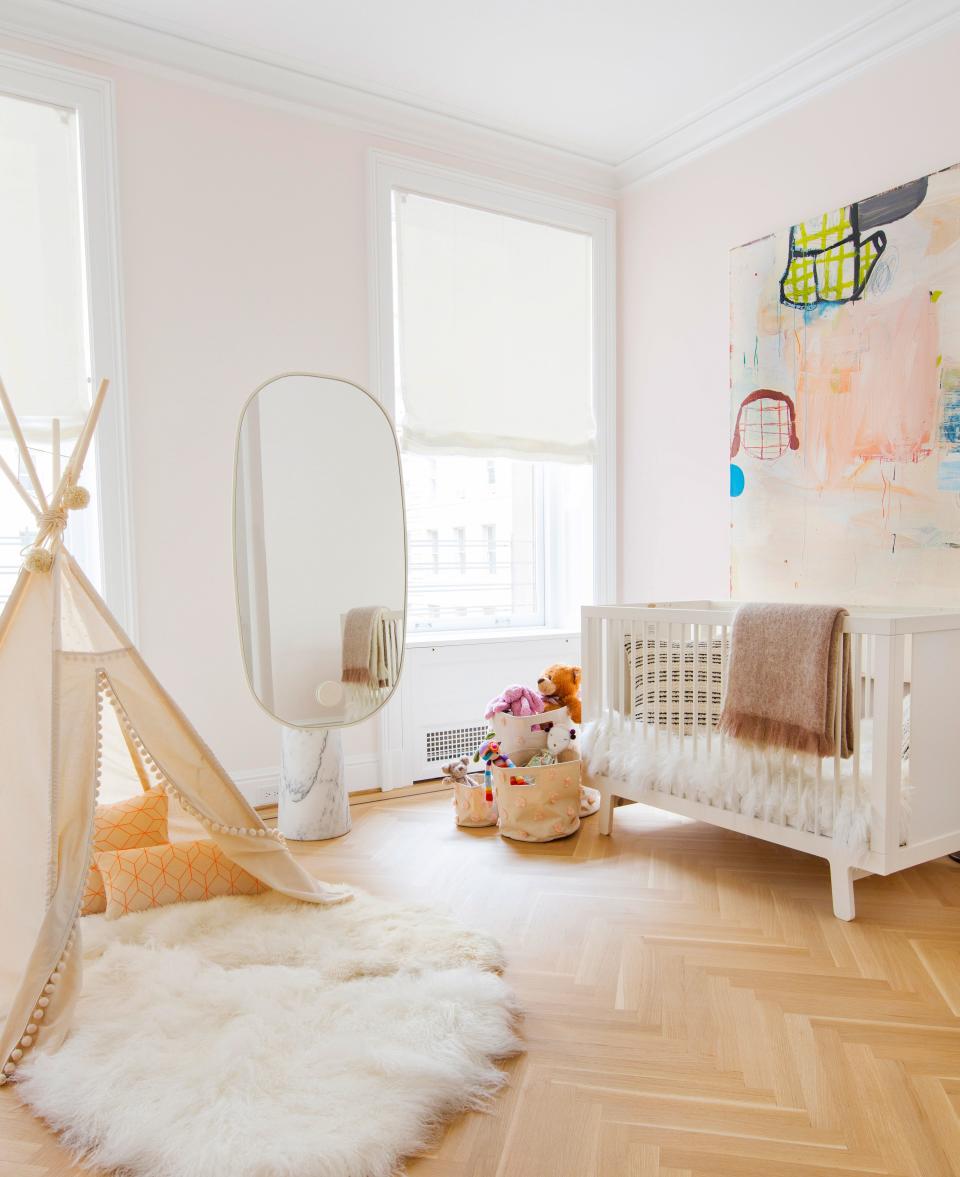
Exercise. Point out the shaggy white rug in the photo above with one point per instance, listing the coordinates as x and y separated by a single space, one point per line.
258 1037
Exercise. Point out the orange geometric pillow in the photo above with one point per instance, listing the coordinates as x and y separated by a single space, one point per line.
153 876
141 821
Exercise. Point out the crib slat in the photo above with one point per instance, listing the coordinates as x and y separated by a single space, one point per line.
873 676
695 634
724 649
818 781
668 672
656 684
710 631
621 706
672 677
645 678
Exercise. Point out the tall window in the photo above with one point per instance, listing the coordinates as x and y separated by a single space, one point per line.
44 343
59 311
495 400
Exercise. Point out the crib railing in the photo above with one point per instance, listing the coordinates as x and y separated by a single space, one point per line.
658 673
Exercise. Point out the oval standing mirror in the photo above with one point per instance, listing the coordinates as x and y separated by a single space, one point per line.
319 550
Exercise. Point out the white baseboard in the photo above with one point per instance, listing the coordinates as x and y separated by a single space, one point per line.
362 772
261 786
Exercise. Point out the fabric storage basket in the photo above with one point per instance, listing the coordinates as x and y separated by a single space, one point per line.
521 736
546 805
542 802
471 804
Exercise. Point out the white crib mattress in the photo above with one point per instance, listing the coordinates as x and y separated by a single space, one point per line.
771 785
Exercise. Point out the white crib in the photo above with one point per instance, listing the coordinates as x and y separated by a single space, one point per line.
654 682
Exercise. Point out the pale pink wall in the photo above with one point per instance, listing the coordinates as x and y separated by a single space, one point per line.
890 124
244 254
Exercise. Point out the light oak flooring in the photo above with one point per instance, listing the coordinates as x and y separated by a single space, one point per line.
692 1008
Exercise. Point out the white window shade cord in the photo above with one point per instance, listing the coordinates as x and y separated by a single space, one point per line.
496 353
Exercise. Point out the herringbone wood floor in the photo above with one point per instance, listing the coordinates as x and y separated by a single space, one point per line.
692 1009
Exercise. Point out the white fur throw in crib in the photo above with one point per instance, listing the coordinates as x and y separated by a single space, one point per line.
745 780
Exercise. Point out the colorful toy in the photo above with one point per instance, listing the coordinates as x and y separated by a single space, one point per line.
489 753
559 686
519 780
515 700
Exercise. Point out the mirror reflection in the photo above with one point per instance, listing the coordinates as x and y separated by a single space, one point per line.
319 549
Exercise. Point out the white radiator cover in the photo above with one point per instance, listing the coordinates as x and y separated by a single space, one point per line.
445 686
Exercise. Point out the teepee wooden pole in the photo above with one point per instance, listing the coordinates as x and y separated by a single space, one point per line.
75 464
55 452
22 445
18 487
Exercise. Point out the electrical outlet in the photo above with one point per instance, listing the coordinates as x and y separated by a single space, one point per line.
268 795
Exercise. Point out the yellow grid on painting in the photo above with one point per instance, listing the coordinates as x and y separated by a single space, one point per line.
823 232
800 283
837 273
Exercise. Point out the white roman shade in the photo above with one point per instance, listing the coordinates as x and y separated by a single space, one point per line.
43 349
495 347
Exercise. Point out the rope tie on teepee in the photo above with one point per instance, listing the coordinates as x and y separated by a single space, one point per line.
55 519
51 526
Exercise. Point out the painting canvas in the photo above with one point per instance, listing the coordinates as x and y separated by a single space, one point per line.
845 385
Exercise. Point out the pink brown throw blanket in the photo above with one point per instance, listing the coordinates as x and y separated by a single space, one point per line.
364 656
783 678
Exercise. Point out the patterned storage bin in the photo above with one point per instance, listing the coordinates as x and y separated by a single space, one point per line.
471 804
538 804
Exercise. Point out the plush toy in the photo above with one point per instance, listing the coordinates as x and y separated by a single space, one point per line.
456 770
515 700
559 741
489 753
559 686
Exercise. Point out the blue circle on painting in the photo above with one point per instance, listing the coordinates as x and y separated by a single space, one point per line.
737 481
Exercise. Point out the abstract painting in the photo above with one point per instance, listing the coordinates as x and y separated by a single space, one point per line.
845 416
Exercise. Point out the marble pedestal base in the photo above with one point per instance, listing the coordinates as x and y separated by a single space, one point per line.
314 802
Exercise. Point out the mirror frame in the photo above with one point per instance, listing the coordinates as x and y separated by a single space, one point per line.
233 547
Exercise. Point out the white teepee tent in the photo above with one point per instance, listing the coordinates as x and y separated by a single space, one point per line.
75 700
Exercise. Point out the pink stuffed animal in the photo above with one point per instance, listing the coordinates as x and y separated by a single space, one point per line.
516 701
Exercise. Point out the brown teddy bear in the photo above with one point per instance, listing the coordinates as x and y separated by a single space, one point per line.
559 686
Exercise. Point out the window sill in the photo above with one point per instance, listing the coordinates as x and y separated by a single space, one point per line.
467 637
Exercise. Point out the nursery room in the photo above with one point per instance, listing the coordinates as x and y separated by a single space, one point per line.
479 589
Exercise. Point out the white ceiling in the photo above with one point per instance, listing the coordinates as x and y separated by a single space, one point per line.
608 81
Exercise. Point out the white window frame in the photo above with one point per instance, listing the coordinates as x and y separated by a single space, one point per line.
389 173
92 97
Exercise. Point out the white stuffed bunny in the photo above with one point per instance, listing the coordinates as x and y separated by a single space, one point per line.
559 742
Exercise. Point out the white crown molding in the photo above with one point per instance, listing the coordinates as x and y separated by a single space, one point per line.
898 26
895 29
74 29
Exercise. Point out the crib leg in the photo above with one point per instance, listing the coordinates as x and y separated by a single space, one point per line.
606 812
841 883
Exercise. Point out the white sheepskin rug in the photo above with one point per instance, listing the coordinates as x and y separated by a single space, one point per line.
253 1037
